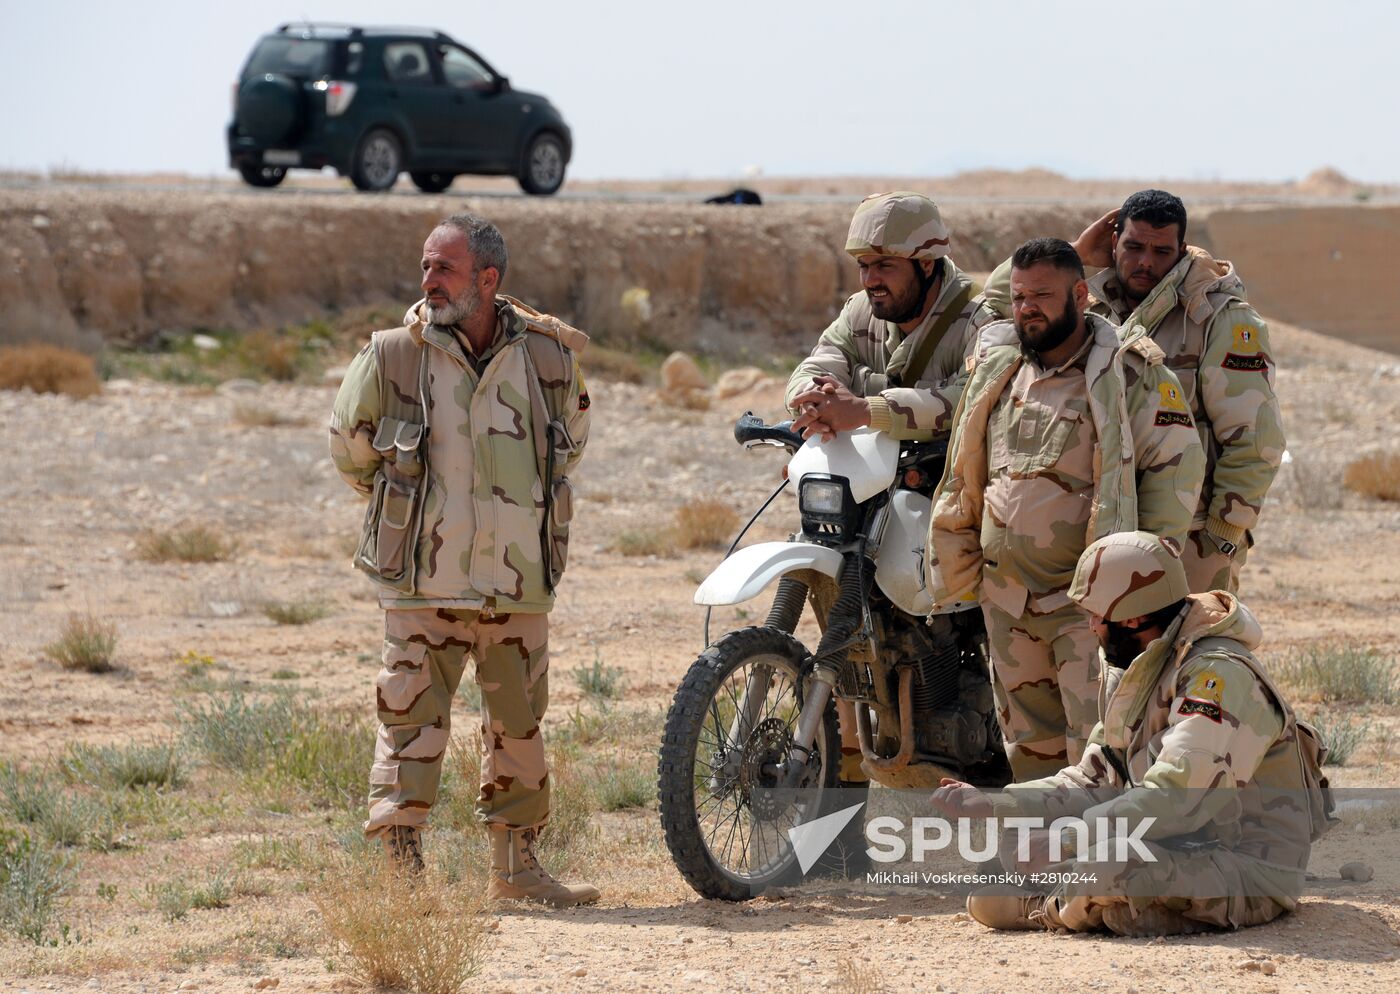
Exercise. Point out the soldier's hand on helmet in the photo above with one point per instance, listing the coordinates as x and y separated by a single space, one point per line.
829 407
1095 243
956 799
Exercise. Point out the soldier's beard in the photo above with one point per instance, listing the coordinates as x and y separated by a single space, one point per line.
1056 331
457 309
903 308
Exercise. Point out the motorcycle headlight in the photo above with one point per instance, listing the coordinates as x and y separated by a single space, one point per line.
822 498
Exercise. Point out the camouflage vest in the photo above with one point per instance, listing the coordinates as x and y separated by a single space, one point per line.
395 514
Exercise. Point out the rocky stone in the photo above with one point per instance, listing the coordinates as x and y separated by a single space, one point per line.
680 373
1358 871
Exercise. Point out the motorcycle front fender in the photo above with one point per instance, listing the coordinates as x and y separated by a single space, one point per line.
748 571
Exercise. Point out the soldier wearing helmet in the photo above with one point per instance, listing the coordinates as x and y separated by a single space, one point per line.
895 358
1194 735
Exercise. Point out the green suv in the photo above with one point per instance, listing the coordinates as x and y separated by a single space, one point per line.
374 102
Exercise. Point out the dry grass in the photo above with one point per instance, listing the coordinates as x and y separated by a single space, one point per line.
1339 673
644 542
85 642
705 524
252 414
419 933
48 369
295 612
188 544
611 364
1376 475
268 354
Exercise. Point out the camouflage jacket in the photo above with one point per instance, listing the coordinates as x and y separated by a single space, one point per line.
1196 736
1147 475
868 355
1218 347
470 507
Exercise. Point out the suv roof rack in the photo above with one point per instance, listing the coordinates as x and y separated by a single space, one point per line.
355 30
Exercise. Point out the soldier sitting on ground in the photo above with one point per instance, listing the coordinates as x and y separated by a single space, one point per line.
1195 736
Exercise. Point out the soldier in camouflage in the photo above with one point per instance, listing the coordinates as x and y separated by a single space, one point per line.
1063 434
1193 307
893 360
462 428
1195 736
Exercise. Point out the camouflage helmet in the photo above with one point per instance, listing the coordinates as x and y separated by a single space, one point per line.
1127 575
902 223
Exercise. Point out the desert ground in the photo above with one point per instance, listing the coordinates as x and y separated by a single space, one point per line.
91 481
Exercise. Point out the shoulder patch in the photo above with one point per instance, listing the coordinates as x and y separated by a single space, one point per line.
1171 406
1245 351
1208 686
1189 707
583 402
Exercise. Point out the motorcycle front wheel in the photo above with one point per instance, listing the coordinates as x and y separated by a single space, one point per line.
723 761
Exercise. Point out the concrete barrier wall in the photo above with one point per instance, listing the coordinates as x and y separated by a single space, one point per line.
732 280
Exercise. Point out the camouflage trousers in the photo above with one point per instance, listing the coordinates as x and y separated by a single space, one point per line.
1214 886
1045 678
1207 568
425 652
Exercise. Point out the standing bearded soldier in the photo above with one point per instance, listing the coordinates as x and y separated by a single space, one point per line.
462 428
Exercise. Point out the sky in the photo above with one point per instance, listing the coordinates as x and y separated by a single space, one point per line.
1186 89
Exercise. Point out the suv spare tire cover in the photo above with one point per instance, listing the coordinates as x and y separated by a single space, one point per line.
269 109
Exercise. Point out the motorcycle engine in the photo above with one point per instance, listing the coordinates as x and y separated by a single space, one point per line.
953 703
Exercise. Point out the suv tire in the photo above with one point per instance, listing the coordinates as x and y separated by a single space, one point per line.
263 176
270 109
542 170
432 182
378 161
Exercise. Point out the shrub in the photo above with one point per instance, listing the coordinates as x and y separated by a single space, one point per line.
705 524
251 414
115 767
174 899
610 364
235 733
188 544
1375 475
1314 484
599 681
643 542
85 642
419 933
327 755
266 354
1342 735
1340 673
48 369
619 787
32 881
295 612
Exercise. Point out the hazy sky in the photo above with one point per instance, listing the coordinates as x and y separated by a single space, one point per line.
1234 90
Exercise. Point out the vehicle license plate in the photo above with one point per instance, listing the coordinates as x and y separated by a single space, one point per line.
281 157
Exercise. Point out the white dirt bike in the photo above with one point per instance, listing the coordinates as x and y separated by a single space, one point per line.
751 747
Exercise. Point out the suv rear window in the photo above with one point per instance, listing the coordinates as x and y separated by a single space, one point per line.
304 58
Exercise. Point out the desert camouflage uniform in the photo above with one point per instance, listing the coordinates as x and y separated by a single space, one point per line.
1218 347
1210 750
482 584
1031 480
869 355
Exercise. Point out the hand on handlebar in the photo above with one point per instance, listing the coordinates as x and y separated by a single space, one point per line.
827 408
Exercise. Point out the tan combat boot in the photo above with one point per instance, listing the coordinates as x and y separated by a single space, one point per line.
1150 921
516 873
1002 906
403 847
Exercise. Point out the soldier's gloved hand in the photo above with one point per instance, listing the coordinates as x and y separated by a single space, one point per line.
829 407
1095 243
955 799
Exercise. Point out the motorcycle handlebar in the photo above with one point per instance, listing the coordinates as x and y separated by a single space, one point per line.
750 430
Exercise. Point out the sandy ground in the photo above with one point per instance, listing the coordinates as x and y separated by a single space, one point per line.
86 477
